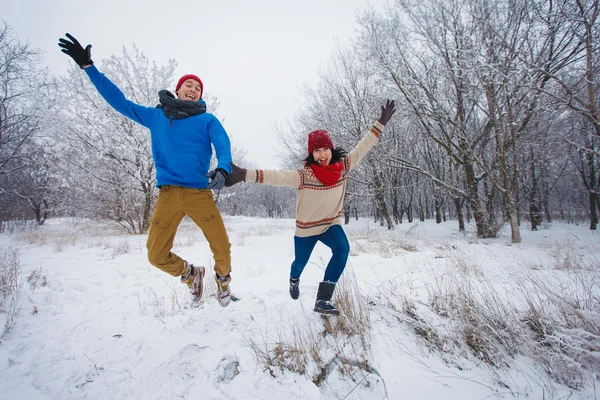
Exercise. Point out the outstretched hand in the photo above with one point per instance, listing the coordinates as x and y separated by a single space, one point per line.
387 111
237 175
71 47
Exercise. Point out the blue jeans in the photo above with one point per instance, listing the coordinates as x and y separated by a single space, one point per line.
334 238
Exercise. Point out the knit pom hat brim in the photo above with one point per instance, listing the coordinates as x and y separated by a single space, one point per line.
185 78
318 139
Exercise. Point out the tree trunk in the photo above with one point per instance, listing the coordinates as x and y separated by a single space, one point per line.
395 210
593 210
421 210
534 215
481 219
490 207
438 212
459 214
513 218
380 197
148 206
40 209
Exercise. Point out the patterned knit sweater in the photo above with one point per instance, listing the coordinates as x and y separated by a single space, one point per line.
317 206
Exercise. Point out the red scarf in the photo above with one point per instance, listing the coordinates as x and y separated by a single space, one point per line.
328 174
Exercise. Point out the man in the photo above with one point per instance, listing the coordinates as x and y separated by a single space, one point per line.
182 133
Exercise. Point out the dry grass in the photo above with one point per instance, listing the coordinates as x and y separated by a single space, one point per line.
251 269
356 320
325 344
37 278
170 301
10 288
369 242
294 350
563 321
122 246
572 254
84 233
15 226
551 316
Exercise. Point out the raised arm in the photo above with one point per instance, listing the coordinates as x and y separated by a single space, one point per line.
370 138
108 90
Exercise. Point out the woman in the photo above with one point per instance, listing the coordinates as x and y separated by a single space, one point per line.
321 185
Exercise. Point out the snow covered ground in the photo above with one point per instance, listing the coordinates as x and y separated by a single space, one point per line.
96 321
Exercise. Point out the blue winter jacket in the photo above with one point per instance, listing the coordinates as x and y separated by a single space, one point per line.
182 147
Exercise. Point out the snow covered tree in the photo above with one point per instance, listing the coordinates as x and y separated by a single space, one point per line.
24 105
577 88
17 124
472 74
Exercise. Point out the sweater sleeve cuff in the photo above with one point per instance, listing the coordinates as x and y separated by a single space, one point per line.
377 128
250 175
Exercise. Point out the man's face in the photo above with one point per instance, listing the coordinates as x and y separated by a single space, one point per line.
190 90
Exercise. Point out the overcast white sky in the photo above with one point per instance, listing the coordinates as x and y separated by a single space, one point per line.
255 56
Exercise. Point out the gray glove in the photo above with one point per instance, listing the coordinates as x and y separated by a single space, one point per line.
217 179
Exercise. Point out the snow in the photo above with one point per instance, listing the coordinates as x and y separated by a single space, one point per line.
97 321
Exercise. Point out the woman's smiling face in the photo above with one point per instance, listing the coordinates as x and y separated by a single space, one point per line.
322 155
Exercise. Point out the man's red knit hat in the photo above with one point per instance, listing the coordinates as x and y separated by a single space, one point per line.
185 78
318 139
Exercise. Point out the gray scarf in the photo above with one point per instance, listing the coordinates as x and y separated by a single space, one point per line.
174 108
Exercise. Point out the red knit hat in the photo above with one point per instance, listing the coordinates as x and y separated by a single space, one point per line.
318 139
185 78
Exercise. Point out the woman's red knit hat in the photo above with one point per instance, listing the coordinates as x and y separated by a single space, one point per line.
318 139
185 78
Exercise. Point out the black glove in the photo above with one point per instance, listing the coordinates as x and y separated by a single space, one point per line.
217 177
237 175
386 112
81 56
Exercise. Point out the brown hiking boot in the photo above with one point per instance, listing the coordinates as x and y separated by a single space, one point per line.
223 292
195 281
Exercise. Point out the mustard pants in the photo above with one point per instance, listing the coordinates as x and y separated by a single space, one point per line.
172 204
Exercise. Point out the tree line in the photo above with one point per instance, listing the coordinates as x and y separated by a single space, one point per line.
497 123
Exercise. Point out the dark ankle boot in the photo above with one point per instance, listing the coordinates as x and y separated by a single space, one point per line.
295 288
323 304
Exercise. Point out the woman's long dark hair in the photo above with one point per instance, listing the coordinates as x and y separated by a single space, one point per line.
336 155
